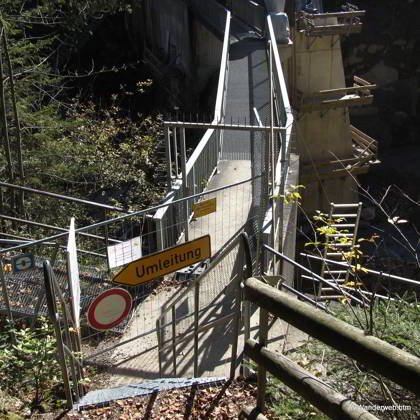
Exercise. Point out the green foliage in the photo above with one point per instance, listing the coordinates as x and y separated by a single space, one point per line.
28 367
292 195
395 321
285 404
104 154
71 147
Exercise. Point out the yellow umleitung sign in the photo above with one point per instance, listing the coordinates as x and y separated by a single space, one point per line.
165 262
204 207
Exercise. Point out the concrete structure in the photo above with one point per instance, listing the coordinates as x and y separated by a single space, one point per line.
319 94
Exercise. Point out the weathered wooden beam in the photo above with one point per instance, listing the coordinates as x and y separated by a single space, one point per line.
360 81
363 135
322 396
345 90
389 361
310 104
327 30
336 14
338 173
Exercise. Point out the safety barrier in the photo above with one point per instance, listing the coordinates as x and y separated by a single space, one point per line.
192 176
389 361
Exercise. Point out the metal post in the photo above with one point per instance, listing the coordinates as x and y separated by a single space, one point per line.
262 371
71 361
176 153
194 182
160 240
6 300
247 333
245 303
52 309
5 293
159 339
273 154
71 338
174 339
237 316
168 155
218 146
184 182
106 240
196 310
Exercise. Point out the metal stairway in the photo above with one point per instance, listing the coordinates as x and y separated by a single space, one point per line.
339 246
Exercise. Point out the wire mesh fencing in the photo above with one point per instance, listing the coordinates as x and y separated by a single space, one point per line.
198 332
134 355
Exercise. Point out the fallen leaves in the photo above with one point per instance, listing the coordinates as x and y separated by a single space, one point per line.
223 401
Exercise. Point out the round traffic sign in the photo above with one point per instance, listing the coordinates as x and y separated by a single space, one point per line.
109 309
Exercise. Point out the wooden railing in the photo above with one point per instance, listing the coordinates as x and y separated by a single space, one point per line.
380 356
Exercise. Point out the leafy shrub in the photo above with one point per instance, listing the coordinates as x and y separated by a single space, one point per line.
28 364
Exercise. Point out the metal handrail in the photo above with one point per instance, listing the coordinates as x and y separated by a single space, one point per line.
284 115
211 140
65 197
316 276
216 261
127 216
243 239
400 279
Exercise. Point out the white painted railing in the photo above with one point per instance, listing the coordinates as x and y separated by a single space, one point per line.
285 119
201 165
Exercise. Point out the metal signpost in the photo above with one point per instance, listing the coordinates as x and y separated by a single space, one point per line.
109 309
23 263
166 262
203 208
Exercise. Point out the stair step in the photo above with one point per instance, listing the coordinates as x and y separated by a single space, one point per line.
340 245
340 235
342 206
339 215
336 271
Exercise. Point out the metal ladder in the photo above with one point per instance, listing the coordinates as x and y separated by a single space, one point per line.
346 218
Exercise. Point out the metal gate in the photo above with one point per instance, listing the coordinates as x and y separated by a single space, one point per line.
198 333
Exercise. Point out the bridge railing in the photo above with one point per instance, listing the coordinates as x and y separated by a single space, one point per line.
249 12
201 165
282 139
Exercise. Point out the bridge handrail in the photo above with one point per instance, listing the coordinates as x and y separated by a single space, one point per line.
279 73
196 170
286 120
223 71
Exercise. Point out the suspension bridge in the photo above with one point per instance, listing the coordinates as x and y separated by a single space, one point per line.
194 323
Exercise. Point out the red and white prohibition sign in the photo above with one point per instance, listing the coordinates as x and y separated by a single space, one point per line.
109 309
